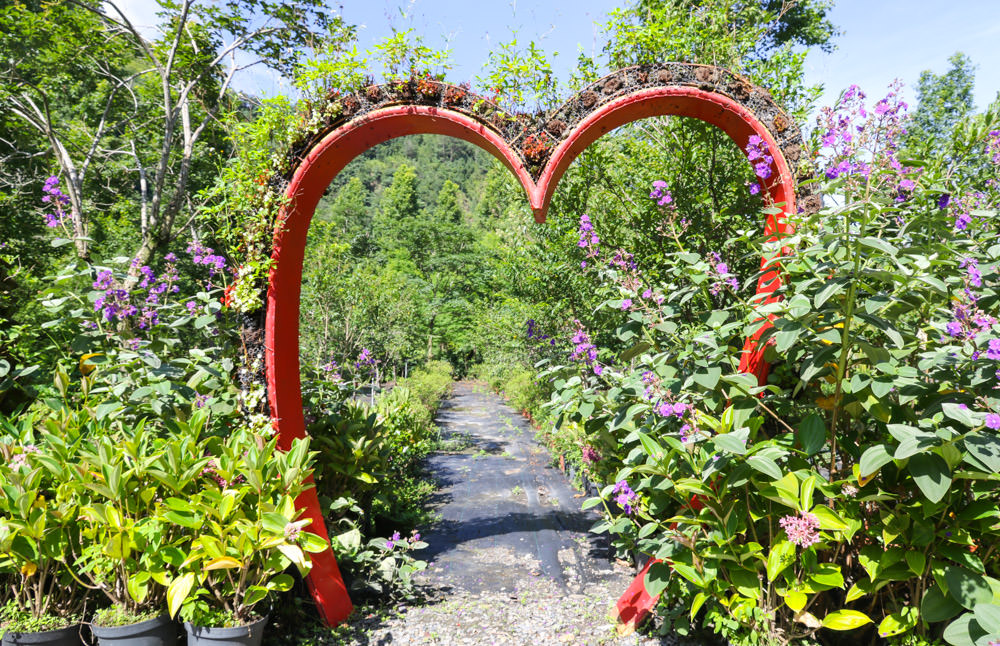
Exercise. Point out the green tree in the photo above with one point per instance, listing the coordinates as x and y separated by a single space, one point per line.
943 100
448 209
156 101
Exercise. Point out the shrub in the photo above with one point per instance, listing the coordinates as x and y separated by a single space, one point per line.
858 488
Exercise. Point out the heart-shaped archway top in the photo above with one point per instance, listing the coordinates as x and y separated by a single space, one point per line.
537 149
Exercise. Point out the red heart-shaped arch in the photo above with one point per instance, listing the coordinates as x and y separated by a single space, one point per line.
337 148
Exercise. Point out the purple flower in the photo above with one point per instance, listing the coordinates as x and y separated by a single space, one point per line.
802 530
626 304
292 532
625 498
104 279
679 409
943 201
720 272
971 266
660 193
954 328
391 543
365 358
993 421
757 153
200 401
993 352
590 454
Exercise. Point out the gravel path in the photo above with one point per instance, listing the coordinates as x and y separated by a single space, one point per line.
511 560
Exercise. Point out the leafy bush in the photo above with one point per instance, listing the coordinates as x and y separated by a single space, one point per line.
858 487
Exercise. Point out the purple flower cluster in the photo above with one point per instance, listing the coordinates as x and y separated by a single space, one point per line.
972 274
761 159
365 359
961 208
993 146
590 454
118 303
802 530
719 272
391 543
584 350
589 240
993 421
660 193
676 409
968 322
332 370
859 143
625 497
202 255
57 199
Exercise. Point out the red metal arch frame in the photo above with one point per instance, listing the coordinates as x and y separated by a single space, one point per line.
327 158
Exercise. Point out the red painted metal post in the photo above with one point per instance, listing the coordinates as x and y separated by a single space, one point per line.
306 188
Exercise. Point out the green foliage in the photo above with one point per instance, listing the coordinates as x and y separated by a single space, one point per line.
249 534
856 488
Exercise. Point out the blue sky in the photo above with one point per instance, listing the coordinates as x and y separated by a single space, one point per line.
881 40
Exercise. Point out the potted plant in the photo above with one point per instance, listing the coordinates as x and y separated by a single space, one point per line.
38 534
248 537
127 543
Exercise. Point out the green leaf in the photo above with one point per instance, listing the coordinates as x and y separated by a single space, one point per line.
937 606
833 286
781 556
985 448
178 591
828 519
845 620
657 578
651 446
765 465
878 244
964 631
874 459
708 378
697 603
828 574
932 475
960 414
812 434
788 489
988 616
734 442
967 588
255 594
796 600
897 623
916 561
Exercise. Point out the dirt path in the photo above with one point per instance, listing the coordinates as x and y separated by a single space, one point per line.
511 561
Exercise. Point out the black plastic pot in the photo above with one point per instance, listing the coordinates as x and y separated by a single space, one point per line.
68 636
160 631
248 635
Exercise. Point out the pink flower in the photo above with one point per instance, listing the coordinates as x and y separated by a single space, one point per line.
802 530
